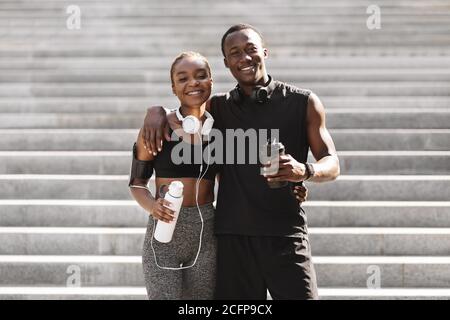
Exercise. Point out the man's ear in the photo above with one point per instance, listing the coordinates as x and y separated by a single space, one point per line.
225 62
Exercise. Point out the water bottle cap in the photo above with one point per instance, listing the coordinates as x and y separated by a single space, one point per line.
176 189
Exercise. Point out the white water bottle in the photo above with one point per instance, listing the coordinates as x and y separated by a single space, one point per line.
164 231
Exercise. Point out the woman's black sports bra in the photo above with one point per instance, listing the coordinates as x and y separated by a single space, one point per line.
184 161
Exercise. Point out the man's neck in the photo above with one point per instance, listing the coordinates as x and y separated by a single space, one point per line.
247 89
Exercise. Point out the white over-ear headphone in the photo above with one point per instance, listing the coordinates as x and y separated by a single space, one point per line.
192 125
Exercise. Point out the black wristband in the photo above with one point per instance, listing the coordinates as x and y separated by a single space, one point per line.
139 168
309 170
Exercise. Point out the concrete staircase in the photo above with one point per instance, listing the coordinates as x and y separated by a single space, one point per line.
71 102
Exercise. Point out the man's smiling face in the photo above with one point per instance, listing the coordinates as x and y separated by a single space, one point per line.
244 56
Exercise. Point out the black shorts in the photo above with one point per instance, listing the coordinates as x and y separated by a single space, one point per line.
248 266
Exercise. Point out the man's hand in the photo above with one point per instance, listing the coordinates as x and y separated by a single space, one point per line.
155 129
301 193
289 169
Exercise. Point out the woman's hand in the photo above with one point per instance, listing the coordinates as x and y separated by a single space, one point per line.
161 212
155 129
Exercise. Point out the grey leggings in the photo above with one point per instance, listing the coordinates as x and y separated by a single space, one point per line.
197 282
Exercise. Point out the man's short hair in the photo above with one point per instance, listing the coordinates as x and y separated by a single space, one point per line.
239 27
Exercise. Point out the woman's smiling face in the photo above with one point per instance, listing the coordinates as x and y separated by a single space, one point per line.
191 81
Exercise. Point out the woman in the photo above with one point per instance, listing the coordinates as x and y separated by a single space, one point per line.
192 84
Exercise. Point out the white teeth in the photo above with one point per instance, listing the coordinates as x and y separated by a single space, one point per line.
193 93
248 68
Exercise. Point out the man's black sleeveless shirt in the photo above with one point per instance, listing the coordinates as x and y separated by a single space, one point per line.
245 204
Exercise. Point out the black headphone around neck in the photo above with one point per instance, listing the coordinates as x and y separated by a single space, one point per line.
259 94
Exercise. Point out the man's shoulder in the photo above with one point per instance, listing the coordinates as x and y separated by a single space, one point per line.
289 89
222 96
219 99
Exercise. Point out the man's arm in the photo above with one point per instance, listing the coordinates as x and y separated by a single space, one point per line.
322 147
155 128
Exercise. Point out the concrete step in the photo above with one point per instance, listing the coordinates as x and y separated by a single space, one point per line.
275 61
177 3
393 162
221 23
129 241
350 35
214 31
62 293
348 118
66 187
156 89
348 45
221 75
380 241
325 5
95 271
287 3
118 162
139 293
398 214
383 294
70 140
394 272
390 102
382 188
207 11
133 104
126 213
343 33
86 50
122 139
126 271
391 139
346 188
72 213
228 17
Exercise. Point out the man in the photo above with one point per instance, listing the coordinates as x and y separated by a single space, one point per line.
262 234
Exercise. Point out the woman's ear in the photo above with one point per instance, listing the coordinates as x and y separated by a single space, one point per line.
173 89
225 62
266 53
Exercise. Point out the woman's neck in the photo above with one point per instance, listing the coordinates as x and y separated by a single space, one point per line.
197 112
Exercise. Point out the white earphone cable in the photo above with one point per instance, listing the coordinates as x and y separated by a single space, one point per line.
197 185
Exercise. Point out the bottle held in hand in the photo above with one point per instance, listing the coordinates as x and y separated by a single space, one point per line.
271 151
164 230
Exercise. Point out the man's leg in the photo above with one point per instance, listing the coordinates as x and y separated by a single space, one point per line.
288 268
238 272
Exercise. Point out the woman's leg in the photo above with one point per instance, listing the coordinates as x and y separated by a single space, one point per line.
161 284
199 281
